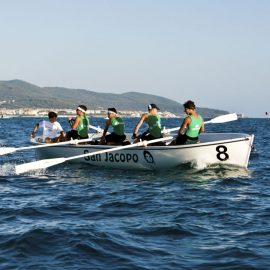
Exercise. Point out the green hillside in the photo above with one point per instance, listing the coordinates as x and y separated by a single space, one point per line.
19 94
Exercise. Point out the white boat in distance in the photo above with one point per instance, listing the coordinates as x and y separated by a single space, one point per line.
214 148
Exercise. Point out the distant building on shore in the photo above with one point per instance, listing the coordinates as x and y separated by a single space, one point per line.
40 112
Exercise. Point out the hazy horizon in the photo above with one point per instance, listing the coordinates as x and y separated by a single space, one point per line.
213 52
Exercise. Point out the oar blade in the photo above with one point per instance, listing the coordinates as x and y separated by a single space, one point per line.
223 118
40 164
7 150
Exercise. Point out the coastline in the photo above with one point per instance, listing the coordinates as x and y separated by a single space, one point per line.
41 112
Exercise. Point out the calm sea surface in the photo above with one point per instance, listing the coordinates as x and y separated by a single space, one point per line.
71 217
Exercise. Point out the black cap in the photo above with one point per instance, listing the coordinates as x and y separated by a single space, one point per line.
153 106
112 110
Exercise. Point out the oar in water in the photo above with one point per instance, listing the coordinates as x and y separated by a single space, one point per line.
45 163
8 150
217 120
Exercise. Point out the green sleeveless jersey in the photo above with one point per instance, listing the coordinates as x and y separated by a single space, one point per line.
154 123
118 126
83 126
194 126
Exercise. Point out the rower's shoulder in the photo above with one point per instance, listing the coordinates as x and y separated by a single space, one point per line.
144 115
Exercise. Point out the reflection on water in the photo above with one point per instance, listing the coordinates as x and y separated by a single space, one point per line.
82 173
214 172
189 171
218 172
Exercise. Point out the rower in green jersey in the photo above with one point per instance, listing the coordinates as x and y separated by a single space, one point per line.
118 135
154 124
79 125
192 125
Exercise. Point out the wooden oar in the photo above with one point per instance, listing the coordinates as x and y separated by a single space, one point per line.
217 120
45 163
8 150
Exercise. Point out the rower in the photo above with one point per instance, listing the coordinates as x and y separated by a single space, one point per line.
153 120
191 127
51 129
79 125
118 135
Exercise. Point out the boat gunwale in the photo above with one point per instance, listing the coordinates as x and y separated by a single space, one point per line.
245 137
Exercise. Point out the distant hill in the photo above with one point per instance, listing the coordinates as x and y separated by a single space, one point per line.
19 94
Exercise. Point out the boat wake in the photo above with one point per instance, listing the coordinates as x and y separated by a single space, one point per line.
198 165
200 172
7 169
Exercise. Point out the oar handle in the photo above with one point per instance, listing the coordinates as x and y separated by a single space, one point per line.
166 131
98 129
55 144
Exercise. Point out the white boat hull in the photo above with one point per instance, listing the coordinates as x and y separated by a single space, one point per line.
214 148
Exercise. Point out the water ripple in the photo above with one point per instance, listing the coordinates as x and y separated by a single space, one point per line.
79 217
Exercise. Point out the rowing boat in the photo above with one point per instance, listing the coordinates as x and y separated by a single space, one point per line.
213 148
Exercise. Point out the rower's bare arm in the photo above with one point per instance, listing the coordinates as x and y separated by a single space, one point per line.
136 129
202 128
34 130
107 125
184 125
76 123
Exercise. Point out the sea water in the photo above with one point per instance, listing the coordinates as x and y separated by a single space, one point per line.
83 217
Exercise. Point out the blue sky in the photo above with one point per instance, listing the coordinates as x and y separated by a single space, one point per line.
214 52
